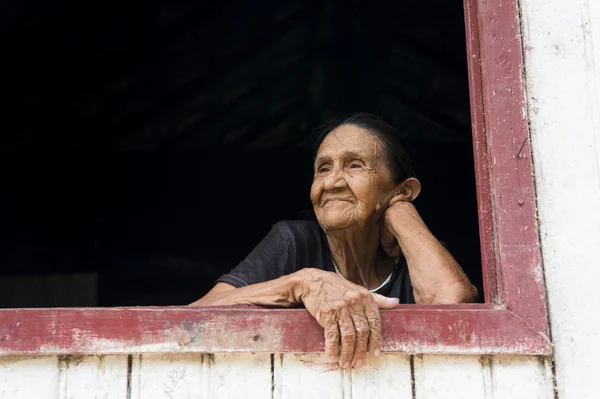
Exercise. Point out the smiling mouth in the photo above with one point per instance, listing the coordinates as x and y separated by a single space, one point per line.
330 200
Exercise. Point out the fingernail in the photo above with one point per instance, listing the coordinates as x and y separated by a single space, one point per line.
377 353
346 365
358 364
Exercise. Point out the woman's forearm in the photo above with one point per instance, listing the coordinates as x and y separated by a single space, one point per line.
435 275
284 291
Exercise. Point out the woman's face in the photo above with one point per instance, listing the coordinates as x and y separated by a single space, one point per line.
352 180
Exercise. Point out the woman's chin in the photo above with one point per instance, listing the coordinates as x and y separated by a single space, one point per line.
336 221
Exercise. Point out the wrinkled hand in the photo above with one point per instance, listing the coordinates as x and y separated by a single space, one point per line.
397 208
349 314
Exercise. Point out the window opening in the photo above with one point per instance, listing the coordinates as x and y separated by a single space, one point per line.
185 136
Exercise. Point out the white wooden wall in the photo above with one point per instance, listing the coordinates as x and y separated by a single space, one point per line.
562 45
562 55
276 376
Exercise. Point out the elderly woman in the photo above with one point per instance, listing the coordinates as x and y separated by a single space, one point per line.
369 250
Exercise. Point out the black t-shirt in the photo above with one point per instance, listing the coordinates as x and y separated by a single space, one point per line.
294 245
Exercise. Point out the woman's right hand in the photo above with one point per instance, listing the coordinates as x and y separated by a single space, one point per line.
349 314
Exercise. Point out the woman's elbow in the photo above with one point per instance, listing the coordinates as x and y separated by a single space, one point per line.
458 292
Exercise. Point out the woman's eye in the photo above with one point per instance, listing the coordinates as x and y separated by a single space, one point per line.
355 166
323 169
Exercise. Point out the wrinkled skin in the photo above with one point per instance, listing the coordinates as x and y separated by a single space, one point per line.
349 314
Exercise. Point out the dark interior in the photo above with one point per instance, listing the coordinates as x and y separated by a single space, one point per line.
153 144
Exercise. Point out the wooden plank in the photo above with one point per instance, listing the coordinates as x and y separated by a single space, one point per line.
167 376
498 377
520 377
239 375
481 153
307 376
30 377
388 375
562 50
449 377
470 329
95 376
200 376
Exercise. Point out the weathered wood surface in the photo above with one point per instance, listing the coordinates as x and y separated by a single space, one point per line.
201 376
63 377
460 329
30 377
93 377
519 377
482 377
562 53
449 377
324 379
277 376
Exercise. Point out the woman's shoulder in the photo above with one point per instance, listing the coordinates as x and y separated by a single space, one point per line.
298 227
305 235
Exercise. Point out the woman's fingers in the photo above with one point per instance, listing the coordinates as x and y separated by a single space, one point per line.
357 331
384 302
332 340
350 318
374 320
348 338
363 331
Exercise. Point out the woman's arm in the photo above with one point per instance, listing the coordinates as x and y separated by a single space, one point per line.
348 313
283 291
435 275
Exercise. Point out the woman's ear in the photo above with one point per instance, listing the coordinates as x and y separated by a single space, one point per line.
409 189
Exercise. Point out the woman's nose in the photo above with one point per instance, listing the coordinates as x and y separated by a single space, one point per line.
335 180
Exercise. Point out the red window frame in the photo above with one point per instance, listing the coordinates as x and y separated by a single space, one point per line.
513 319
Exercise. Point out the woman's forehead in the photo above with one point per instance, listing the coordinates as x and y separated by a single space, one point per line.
349 139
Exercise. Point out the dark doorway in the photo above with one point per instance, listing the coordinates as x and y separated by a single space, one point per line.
151 145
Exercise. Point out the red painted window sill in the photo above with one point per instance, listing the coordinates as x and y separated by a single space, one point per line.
461 329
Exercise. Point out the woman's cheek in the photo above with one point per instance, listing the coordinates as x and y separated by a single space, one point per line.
364 189
315 192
